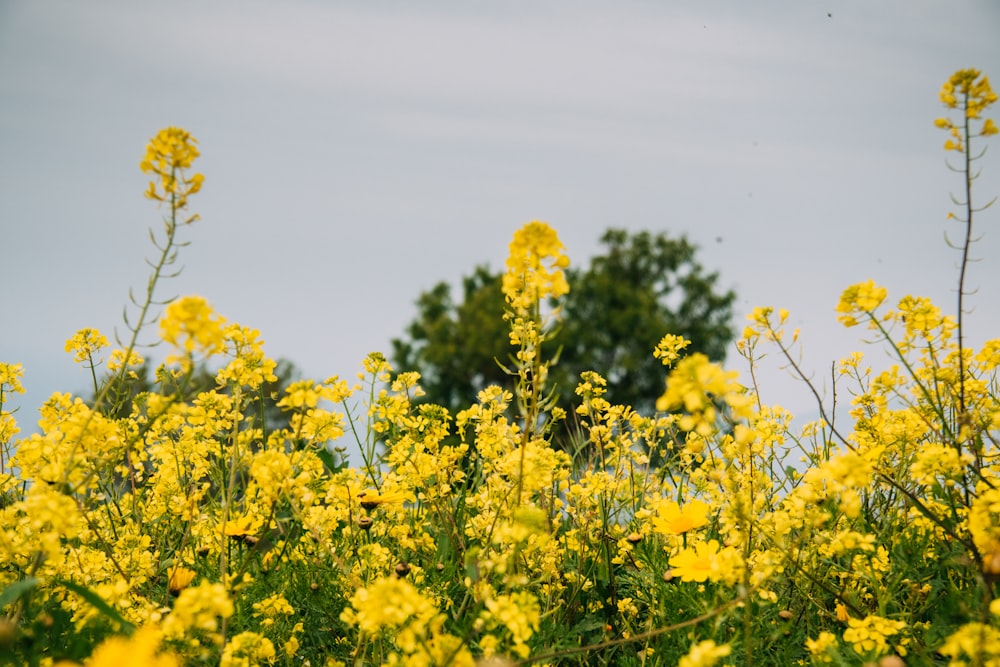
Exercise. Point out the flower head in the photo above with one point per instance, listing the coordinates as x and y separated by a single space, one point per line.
168 155
967 91
535 266
672 519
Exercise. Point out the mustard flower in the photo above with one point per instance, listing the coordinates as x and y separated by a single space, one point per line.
870 635
704 654
168 155
198 609
672 519
693 387
967 91
118 360
535 267
518 613
190 325
394 604
984 520
272 607
247 649
823 648
973 644
10 378
936 461
86 343
142 648
859 299
670 348
249 367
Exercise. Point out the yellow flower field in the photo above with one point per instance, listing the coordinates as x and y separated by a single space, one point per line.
168 529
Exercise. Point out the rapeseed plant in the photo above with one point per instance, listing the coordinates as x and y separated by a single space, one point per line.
169 528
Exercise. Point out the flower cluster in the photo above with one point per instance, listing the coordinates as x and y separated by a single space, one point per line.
168 155
178 524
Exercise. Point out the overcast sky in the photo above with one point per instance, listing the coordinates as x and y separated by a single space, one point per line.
356 153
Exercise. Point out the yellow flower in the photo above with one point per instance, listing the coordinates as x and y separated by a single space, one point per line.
704 654
180 578
535 266
168 154
705 561
190 325
672 519
978 642
821 648
198 608
870 635
393 603
86 343
10 378
372 499
139 649
670 348
862 298
247 648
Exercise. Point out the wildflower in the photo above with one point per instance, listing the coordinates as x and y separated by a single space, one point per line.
372 499
978 642
671 519
179 578
705 561
704 654
10 378
198 608
85 343
823 647
862 298
984 521
694 386
139 649
271 608
247 649
971 93
519 614
842 614
396 604
669 349
870 635
168 154
535 266
190 324
936 460
118 360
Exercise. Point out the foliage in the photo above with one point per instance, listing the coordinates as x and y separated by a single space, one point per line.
181 533
640 286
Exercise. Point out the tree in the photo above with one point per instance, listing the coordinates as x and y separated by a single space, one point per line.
640 288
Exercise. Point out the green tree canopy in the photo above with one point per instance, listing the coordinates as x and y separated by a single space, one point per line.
641 287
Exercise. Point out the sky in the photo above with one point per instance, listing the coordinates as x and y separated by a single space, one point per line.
357 153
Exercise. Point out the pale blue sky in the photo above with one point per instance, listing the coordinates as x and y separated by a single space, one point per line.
356 153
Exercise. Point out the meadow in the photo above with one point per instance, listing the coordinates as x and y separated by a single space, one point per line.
166 529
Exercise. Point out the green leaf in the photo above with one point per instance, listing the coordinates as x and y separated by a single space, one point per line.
14 591
329 460
97 602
